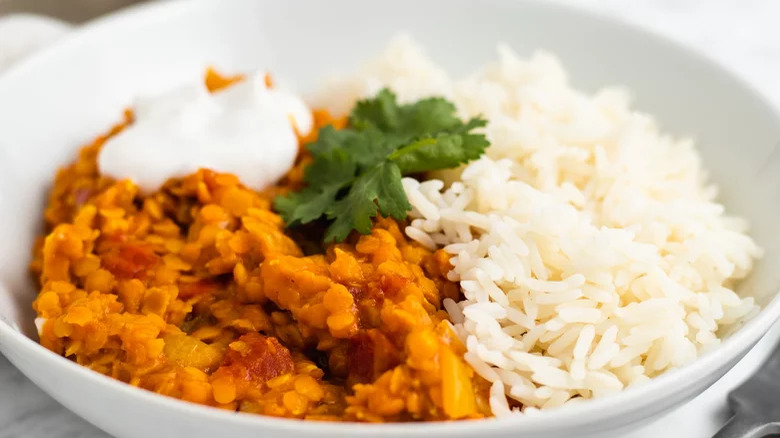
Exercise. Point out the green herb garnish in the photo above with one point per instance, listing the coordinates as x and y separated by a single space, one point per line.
357 170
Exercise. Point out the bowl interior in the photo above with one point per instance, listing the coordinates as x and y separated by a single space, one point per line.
62 98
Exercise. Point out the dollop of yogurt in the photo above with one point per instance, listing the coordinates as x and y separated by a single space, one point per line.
248 130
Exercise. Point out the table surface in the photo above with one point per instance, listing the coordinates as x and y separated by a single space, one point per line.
741 34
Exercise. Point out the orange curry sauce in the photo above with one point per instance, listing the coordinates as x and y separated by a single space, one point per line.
197 292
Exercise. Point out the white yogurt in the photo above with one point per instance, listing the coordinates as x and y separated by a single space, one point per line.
247 129
39 323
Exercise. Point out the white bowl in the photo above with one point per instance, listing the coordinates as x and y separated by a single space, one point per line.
66 95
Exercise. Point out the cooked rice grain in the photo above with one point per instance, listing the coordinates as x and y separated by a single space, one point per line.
590 248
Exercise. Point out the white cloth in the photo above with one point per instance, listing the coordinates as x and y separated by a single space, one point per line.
23 34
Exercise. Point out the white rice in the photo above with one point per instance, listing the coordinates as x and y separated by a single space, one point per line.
589 246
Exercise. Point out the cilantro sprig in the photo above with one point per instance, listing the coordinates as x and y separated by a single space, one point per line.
356 172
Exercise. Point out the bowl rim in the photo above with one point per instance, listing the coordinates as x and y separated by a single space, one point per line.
724 355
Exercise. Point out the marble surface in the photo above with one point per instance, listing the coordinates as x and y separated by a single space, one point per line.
741 34
27 412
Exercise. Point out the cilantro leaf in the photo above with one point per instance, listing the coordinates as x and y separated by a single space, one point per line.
429 116
381 112
426 116
330 139
442 152
381 186
356 172
326 177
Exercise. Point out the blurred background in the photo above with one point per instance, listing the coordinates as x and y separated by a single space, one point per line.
76 11
741 34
